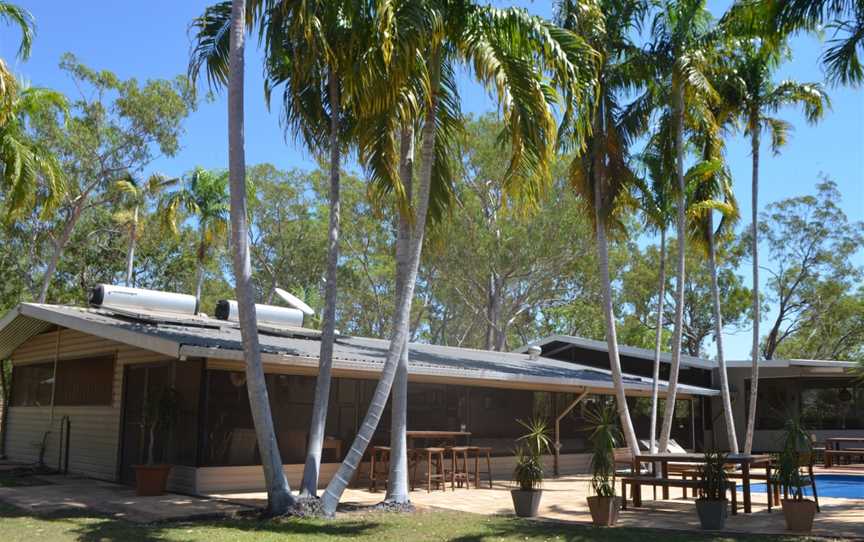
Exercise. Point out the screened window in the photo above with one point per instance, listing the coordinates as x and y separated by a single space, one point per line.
85 382
31 384
822 403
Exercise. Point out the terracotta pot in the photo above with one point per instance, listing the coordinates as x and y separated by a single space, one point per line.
799 514
150 480
712 514
526 503
604 510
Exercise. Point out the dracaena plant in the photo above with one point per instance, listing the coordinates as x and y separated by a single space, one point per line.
712 477
605 434
528 473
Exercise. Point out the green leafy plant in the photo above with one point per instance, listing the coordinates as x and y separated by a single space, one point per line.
605 434
528 472
712 477
797 450
160 412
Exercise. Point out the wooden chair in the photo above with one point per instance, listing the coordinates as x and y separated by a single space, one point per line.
435 472
481 451
459 472
379 466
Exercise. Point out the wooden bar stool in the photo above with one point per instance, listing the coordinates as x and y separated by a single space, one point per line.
459 472
379 467
435 472
481 451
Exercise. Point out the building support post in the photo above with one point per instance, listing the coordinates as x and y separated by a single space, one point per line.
558 429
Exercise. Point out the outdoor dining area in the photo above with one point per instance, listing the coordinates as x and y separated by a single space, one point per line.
442 458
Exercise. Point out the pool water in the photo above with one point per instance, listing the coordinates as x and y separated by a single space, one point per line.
844 486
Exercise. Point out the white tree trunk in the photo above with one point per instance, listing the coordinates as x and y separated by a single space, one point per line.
312 469
401 322
671 392
397 486
754 232
718 339
611 336
279 497
130 252
658 341
60 246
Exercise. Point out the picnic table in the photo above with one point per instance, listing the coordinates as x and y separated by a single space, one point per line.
446 437
833 448
743 460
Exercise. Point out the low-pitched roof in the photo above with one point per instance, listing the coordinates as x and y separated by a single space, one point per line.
185 337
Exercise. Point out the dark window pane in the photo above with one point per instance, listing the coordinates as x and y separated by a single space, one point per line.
85 382
31 384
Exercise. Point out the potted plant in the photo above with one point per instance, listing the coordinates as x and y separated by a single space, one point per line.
797 451
528 473
160 411
604 504
711 504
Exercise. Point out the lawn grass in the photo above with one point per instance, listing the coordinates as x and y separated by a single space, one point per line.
17 526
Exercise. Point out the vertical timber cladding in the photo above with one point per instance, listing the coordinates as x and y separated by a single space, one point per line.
94 429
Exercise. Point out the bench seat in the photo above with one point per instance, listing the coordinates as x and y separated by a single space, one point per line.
637 481
848 452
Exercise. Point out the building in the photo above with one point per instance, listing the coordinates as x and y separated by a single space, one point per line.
81 375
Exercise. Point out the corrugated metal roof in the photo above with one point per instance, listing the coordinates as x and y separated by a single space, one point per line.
202 336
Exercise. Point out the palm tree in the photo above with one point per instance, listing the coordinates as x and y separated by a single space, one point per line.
681 48
656 202
279 497
843 19
601 172
758 98
20 17
505 48
133 195
310 51
204 195
27 167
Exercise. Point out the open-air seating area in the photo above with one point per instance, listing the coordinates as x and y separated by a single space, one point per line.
434 467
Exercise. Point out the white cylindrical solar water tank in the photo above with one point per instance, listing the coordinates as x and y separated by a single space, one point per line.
266 314
124 298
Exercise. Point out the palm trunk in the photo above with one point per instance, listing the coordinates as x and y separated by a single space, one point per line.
312 469
754 374
397 486
151 444
279 497
59 247
401 319
658 341
199 283
130 252
718 338
611 336
677 337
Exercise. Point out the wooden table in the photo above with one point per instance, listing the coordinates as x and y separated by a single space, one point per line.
742 460
833 443
448 437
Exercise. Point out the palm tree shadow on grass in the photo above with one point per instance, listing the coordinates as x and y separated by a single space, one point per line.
92 527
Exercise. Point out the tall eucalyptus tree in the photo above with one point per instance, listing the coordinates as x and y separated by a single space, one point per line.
508 51
758 98
601 173
681 37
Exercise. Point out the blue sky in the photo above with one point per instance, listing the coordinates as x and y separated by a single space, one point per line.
149 40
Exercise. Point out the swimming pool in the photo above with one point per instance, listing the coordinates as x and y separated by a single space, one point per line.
843 486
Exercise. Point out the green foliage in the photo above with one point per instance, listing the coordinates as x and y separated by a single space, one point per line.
604 436
797 451
161 408
528 472
712 476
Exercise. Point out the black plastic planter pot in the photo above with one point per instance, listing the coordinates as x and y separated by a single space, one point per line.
712 514
526 503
